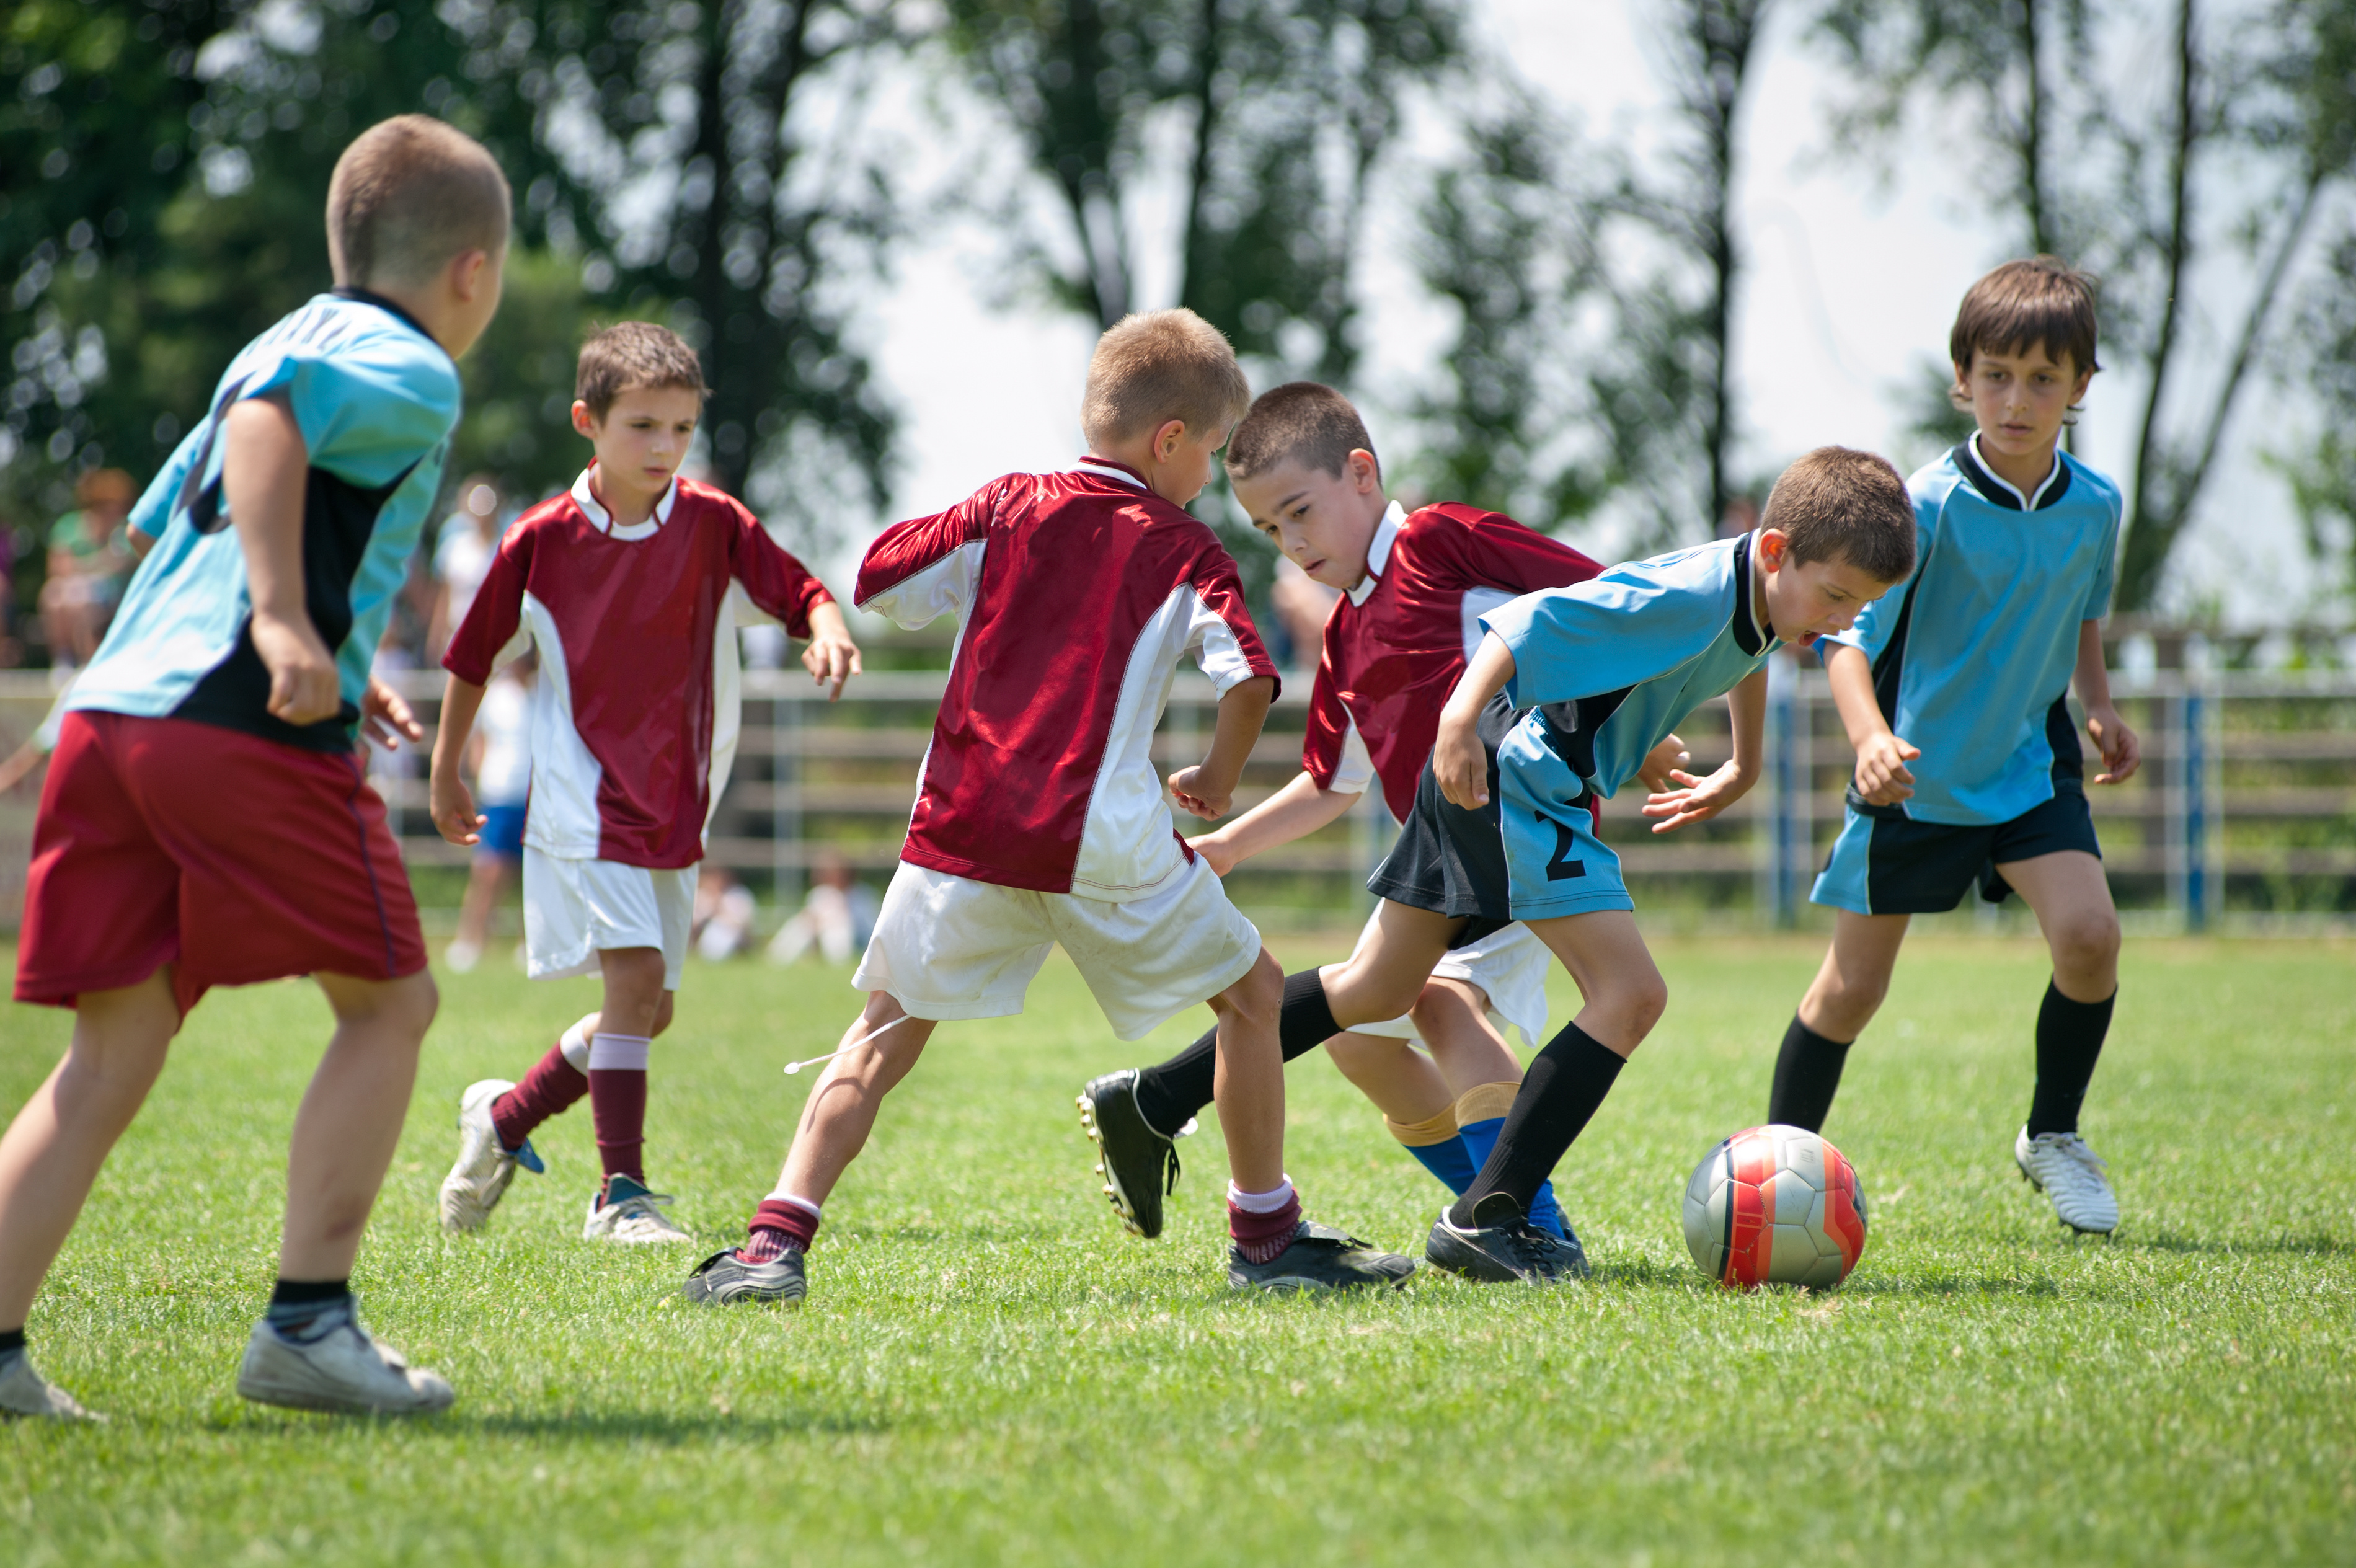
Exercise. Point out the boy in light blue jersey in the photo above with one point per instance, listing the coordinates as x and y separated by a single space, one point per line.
1570 689
1967 671
205 820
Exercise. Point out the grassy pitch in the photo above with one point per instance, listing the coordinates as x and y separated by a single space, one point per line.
989 1370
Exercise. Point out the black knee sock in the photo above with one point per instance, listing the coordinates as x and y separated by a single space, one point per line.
11 1339
1168 1094
302 1310
1807 1075
2069 1042
1566 1083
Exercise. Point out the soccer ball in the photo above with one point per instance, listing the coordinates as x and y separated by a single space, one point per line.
1775 1206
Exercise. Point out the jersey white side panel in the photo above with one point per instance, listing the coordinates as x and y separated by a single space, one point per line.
1354 774
564 775
1127 847
945 587
1479 602
727 697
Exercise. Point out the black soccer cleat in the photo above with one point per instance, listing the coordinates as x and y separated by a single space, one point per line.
1320 1258
1501 1246
1140 1165
724 1278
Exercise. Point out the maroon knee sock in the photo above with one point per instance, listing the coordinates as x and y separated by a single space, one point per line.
617 1104
1261 1238
777 1224
552 1085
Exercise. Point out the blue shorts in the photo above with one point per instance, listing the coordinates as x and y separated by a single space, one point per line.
1555 865
502 835
1884 863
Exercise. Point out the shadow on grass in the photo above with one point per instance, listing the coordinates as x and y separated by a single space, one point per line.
668 1428
2311 1246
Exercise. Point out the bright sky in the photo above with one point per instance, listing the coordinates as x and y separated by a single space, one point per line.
1848 286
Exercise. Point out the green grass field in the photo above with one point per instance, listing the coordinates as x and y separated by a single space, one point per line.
989 1370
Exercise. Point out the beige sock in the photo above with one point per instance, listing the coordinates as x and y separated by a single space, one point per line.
1484 1100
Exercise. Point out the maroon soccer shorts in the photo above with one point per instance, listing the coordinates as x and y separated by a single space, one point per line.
234 858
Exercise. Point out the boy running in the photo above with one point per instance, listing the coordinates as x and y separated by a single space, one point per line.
1569 688
1966 674
1040 819
625 586
1415 584
205 820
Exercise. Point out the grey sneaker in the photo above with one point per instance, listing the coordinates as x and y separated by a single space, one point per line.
2065 1170
627 1213
346 1368
479 1178
25 1392
724 1277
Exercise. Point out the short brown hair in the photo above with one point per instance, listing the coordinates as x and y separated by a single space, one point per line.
1159 365
1840 504
1305 422
2043 300
410 193
104 487
635 354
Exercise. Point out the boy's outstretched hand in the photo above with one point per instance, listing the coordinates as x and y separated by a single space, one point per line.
1696 799
385 718
832 658
1657 771
1187 788
1882 777
452 805
2121 753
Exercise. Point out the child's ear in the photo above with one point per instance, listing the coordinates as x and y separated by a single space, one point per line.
1773 542
584 421
1959 392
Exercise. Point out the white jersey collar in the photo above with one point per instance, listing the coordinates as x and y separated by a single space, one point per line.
1106 468
2027 503
603 521
1379 552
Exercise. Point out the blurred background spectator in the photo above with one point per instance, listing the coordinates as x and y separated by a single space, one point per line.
500 753
837 918
462 556
89 557
723 926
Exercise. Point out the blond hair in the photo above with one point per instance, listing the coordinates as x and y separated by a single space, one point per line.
1157 366
635 354
410 193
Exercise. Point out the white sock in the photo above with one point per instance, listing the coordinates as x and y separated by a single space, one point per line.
782 1195
1267 1202
574 1043
618 1053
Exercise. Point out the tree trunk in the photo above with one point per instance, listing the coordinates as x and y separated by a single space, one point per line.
2160 504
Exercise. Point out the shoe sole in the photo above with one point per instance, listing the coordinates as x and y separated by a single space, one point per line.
730 1295
463 1214
288 1397
1123 1209
2082 1229
1289 1284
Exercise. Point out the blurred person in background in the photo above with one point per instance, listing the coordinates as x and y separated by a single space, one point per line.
1301 604
90 554
501 758
837 918
722 923
462 555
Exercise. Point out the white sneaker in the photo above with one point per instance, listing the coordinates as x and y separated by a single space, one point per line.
2062 1166
24 1392
346 1368
631 1215
460 957
479 1178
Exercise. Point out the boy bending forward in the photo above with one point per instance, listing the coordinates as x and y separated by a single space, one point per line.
1040 819
624 584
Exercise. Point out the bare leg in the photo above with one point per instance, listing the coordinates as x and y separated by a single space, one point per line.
1452 1016
635 997
843 1102
1386 976
1249 1088
52 1151
1606 956
1849 989
350 1120
1401 1080
2073 902
483 879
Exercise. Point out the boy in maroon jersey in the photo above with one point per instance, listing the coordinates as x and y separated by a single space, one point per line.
627 585
1414 587
1040 819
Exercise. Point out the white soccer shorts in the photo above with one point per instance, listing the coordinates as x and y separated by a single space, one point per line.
947 947
574 908
1510 967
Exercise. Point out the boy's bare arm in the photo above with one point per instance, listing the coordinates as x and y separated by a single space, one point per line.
1298 810
264 469
449 800
1459 762
2121 753
1208 789
1699 799
1882 776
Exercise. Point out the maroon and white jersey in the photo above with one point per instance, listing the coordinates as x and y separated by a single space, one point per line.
1396 643
1077 595
634 717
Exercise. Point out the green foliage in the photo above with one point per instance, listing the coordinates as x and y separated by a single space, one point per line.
988 1372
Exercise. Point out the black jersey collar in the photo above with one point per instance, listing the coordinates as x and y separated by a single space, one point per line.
1747 634
1997 492
364 296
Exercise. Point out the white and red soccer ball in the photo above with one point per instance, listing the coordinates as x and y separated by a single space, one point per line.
1775 1206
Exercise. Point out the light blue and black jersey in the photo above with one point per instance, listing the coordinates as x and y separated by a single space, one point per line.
1611 666
1973 653
376 398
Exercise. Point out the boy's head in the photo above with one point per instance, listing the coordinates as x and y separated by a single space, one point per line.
417 211
1837 534
2023 347
637 395
1304 470
1163 390
105 495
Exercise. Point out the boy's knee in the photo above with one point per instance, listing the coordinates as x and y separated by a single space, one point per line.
2090 940
1261 993
1641 1000
663 1011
